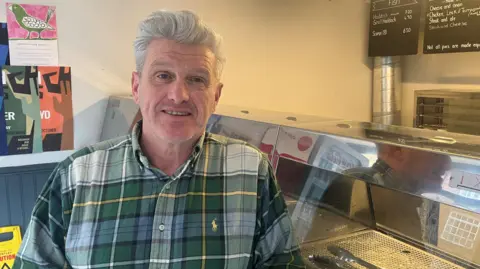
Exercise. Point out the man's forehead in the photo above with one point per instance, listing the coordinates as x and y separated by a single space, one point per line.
185 66
166 51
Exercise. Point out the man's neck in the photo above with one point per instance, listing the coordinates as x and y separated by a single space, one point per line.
167 157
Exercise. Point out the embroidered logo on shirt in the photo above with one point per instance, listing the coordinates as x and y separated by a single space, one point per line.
214 225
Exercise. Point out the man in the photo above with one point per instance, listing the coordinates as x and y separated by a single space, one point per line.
169 195
410 171
406 169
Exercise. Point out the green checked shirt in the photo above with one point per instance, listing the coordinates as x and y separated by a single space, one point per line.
107 207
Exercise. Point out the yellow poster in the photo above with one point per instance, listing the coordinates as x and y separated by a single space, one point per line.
9 249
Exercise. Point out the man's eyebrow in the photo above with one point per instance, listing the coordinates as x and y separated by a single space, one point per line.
203 71
199 70
159 63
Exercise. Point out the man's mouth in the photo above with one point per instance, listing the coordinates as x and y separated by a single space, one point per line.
176 113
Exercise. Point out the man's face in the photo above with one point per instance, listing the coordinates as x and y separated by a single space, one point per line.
416 165
177 90
426 165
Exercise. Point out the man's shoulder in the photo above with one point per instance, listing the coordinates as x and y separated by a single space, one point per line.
232 143
238 155
100 148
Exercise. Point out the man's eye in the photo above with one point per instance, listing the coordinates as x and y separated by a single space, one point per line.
164 76
197 80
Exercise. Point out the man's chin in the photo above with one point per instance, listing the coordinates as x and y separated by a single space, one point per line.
176 137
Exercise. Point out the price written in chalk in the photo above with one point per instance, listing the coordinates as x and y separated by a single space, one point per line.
408 14
407 30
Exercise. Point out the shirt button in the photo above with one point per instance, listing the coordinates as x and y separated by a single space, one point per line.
161 227
167 187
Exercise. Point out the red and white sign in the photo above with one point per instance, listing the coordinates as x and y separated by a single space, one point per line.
292 144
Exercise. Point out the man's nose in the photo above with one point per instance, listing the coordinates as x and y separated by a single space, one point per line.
178 92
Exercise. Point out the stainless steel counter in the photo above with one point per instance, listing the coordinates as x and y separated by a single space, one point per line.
398 197
380 250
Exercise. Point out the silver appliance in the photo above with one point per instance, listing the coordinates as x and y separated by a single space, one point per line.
448 110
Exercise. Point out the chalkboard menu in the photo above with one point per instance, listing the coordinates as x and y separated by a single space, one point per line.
394 27
452 26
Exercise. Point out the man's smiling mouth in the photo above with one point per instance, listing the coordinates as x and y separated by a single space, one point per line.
176 113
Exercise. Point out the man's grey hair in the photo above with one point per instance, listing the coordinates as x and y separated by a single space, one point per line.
183 27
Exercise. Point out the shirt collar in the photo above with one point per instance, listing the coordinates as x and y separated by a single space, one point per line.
136 135
381 166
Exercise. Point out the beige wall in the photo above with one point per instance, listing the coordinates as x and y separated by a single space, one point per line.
303 56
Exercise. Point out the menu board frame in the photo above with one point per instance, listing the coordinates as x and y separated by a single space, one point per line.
394 27
451 26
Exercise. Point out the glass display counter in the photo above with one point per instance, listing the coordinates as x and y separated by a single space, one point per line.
364 195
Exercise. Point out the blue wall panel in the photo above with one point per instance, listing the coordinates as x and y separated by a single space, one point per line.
19 189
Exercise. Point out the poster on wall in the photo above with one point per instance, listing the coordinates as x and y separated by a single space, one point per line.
32 33
3 128
55 85
4 60
22 109
4 51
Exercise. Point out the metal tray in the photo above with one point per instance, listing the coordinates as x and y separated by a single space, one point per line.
380 250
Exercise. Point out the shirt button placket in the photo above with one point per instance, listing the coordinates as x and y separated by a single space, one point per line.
164 248
166 189
158 250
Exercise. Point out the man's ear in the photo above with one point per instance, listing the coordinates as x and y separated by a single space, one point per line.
135 86
218 92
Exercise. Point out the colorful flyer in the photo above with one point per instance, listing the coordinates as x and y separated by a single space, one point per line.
4 51
22 109
32 33
3 125
56 111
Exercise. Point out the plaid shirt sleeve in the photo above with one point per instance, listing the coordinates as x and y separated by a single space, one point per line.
43 244
276 246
